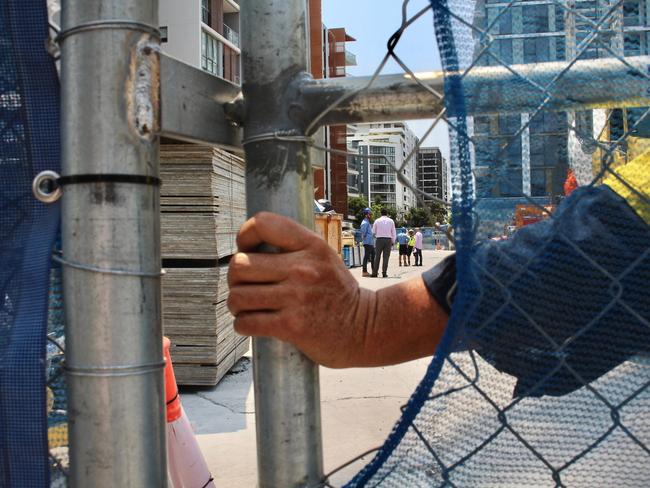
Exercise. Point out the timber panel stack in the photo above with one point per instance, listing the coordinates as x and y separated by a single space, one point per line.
202 207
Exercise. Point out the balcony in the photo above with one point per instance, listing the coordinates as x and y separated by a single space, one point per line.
350 59
231 35
385 178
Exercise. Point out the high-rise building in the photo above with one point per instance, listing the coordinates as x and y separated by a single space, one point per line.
374 178
431 174
203 33
329 59
536 162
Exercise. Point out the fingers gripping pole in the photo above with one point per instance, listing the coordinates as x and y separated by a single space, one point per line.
279 179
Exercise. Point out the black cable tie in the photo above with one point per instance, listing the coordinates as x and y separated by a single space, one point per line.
109 178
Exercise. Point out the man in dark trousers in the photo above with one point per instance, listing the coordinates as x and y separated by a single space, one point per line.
368 240
385 236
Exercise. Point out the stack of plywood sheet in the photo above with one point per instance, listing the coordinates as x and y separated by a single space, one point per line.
202 205
203 201
195 317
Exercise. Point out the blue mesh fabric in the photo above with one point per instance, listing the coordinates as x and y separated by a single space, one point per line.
29 143
543 375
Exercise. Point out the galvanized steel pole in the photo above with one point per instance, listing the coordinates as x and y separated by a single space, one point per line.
111 243
279 179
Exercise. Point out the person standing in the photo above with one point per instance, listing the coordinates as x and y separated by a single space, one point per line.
402 240
368 241
411 245
385 236
417 252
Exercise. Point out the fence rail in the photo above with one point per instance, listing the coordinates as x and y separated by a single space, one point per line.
202 108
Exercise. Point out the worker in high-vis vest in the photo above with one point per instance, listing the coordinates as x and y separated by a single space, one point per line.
558 305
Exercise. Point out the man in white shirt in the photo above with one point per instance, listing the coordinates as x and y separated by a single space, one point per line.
385 236
418 247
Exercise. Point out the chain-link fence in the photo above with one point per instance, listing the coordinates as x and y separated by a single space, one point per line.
542 377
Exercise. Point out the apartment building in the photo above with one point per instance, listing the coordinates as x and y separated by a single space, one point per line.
374 177
536 163
432 174
203 33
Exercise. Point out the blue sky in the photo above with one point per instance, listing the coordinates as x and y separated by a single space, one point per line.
371 23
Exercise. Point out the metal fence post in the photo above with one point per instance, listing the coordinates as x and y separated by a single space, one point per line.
111 243
279 179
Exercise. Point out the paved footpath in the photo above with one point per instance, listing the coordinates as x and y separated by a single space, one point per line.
358 406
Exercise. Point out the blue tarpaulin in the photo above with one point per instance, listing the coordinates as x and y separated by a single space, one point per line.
29 144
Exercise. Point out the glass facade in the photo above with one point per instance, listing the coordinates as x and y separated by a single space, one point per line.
536 161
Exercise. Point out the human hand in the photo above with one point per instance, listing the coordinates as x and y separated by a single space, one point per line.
303 295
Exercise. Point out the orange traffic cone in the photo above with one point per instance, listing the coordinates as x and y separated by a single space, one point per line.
186 466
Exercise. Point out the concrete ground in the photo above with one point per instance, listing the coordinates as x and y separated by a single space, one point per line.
359 406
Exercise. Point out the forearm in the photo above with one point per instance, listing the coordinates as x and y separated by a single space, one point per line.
399 323
306 296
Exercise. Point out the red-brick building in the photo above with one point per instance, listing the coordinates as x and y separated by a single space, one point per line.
329 59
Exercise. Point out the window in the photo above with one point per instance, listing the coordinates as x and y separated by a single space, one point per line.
385 150
510 183
536 50
505 22
548 122
632 44
482 125
631 13
505 50
538 183
163 33
560 49
486 151
547 151
211 54
616 124
509 124
353 183
541 182
559 19
496 151
206 12
535 18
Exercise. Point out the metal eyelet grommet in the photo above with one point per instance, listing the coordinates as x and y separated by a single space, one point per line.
46 187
